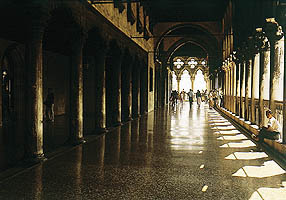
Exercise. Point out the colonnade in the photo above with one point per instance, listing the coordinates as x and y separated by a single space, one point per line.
121 82
254 76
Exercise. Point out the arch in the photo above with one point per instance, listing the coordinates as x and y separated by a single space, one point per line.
179 26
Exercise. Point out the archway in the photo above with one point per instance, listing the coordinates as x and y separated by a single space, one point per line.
200 83
185 83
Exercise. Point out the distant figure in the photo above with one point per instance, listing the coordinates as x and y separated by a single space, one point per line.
211 100
199 98
191 97
174 98
272 131
49 103
183 95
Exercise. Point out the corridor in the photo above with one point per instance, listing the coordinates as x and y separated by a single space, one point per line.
172 153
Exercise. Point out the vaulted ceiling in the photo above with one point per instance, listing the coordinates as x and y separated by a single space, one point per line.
186 10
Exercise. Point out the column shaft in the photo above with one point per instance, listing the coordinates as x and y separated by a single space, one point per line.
248 88
254 86
238 65
264 80
76 93
242 89
100 93
276 72
34 59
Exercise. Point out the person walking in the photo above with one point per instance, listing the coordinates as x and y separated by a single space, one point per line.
199 98
191 97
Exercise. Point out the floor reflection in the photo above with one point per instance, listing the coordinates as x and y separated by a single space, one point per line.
177 153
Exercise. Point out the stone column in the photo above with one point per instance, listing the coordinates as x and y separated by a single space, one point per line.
227 76
234 91
275 35
247 87
242 88
264 74
254 75
193 82
99 78
238 66
178 84
126 88
144 88
113 85
34 113
136 91
76 93
254 86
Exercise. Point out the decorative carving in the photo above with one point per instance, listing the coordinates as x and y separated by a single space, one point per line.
273 30
261 41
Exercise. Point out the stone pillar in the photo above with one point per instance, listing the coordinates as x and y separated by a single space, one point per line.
193 82
99 78
247 88
242 88
144 88
238 66
178 84
34 117
234 91
254 86
76 93
126 88
264 75
113 85
275 35
136 91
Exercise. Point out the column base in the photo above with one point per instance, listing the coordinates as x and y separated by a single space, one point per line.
38 158
99 130
135 116
77 141
116 124
127 119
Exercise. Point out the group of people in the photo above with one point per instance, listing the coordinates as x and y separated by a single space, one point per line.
214 97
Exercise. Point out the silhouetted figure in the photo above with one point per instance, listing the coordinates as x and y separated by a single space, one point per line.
191 97
199 98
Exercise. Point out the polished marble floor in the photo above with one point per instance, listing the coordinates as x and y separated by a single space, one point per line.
173 153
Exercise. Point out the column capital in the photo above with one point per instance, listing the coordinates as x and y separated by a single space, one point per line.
261 41
272 30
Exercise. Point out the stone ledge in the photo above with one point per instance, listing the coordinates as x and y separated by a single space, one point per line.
281 148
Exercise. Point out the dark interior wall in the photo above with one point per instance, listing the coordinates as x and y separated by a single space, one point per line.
3 47
56 76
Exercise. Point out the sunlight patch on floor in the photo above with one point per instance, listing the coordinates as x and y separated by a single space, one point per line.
268 169
246 156
235 137
242 144
269 193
